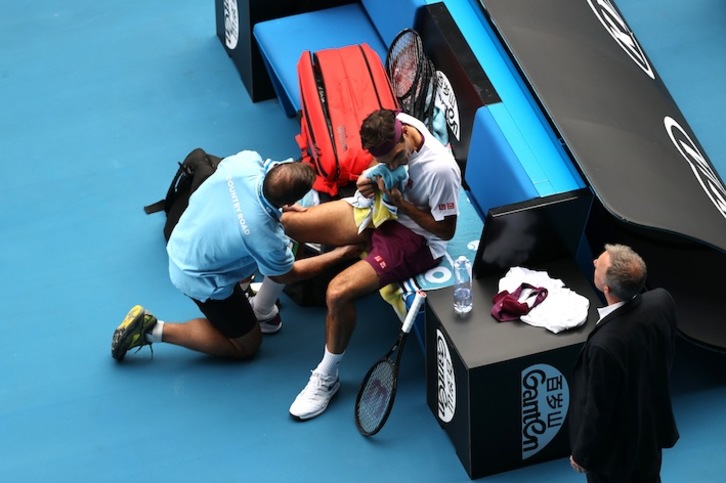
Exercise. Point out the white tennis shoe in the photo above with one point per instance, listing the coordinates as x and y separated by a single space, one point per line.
315 396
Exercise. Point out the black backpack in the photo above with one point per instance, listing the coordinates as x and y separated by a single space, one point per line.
196 167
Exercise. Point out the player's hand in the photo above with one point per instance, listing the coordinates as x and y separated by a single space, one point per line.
350 251
393 195
366 186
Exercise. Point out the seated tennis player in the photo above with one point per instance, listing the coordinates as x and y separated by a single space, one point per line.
416 241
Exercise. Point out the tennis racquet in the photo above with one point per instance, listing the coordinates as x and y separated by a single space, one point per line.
424 98
404 63
413 75
378 389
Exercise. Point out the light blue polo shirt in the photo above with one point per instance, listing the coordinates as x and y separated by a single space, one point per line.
228 232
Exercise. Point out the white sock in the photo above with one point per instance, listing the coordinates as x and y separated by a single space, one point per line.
329 364
266 297
155 334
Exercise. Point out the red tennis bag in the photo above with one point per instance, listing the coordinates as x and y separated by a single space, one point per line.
339 88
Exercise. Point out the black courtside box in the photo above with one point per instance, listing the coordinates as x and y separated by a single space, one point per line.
500 390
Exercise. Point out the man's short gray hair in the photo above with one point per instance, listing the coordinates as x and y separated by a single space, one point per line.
627 272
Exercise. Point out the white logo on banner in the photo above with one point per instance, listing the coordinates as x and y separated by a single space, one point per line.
619 30
701 169
446 383
446 100
231 24
545 399
439 274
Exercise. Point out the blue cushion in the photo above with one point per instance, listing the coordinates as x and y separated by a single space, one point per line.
494 174
283 40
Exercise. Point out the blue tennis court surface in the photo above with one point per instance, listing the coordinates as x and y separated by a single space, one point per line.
99 101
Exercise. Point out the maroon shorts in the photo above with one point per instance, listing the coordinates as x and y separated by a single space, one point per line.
397 253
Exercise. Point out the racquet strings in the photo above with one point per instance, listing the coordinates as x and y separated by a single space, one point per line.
404 67
413 76
424 98
376 397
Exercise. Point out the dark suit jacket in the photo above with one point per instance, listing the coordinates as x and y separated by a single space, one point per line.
620 407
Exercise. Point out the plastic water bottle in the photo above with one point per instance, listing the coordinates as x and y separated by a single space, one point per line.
462 286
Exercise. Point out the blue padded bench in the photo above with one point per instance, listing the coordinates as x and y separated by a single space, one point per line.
514 154
495 175
282 40
515 126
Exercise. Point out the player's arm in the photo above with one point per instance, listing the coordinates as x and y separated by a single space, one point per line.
312 266
444 228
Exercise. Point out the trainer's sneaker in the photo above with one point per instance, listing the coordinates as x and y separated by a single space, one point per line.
270 325
132 332
316 395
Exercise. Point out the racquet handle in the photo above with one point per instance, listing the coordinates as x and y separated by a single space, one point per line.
413 311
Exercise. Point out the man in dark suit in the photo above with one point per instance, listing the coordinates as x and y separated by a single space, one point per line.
621 414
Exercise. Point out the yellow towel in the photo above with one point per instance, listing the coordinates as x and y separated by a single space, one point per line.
393 294
378 213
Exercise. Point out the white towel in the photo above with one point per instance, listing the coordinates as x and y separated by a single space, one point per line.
562 309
